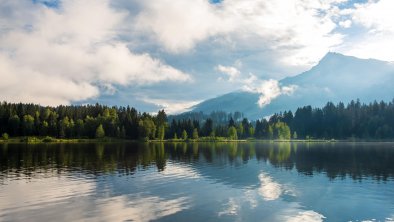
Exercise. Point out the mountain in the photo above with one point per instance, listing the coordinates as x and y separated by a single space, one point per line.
335 78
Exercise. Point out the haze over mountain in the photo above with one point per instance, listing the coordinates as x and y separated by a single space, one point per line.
335 78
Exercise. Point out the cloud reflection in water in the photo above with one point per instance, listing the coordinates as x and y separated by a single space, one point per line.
306 216
141 209
269 189
231 208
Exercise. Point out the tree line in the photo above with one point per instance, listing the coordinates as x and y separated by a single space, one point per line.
88 121
355 120
98 121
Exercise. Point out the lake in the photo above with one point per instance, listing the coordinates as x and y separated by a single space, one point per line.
247 181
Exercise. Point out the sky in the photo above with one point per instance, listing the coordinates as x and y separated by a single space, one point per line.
172 54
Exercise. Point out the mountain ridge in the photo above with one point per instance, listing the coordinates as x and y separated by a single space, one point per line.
336 78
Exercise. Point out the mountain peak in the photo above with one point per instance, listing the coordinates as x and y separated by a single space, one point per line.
333 56
335 78
328 54
337 59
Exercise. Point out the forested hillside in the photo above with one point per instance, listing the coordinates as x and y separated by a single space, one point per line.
355 120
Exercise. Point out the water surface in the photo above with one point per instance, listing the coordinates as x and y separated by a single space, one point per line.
197 182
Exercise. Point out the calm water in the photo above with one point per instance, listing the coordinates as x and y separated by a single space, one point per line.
197 182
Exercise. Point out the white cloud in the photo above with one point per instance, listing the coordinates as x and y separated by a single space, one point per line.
54 56
171 106
375 15
301 31
371 46
179 25
376 40
268 89
116 64
345 24
293 34
232 72
20 83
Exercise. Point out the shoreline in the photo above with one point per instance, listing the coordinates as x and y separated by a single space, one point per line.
50 140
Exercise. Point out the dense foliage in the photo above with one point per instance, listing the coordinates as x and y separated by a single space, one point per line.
70 121
356 120
98 121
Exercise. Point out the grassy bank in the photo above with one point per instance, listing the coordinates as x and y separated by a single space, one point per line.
47 139
35 140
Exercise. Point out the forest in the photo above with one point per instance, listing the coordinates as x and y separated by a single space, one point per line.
352 121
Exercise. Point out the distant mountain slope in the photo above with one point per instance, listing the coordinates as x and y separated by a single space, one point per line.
243 102
335 78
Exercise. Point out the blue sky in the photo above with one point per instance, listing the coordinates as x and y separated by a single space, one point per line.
174 53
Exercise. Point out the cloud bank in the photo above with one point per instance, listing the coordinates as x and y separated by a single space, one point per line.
60 52
375 40
300 31
55 56
171 106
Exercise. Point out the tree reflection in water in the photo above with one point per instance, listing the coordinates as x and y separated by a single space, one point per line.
336 160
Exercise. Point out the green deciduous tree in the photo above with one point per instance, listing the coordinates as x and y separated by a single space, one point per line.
184 135
146 128
232 133
195 133
281 131
240 130
100 133
160 132
251 131
295 136
28 125
4 136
